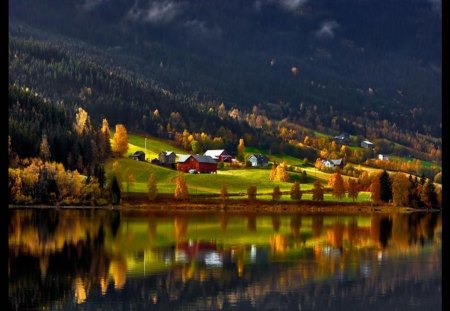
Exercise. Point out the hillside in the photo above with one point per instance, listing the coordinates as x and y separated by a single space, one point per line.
309 61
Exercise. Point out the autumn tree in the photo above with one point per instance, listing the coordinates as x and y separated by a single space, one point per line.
181 189
120 140
152 187
105 128
281 173
82 121
276 194
428 194
385 187
353 190
337 183
224 193
296 193
317 191
240 150
195 145
375 190
364 180
44 148
251 192
273 172
400 184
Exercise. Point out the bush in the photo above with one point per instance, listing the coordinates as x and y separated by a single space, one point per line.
276 194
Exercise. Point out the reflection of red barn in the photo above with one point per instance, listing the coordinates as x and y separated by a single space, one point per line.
203 164
193 249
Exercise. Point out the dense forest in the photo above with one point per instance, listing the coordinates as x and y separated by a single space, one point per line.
260 71
381 63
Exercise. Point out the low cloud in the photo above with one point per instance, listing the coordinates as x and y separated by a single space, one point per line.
200 28
289 5
90 5
327 29
155 12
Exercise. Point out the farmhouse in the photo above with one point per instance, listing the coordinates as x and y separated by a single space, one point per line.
258 160
138 156
333 163
220 155
366 144
343 138
167 157
202 164
383 157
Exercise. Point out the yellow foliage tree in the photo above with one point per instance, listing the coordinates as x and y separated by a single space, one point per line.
375 189
152 187
400 185
281 173
353 190
181 189
241 150
44 148
82 121
337 182
120 140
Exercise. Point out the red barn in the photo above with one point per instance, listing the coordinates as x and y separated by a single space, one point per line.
202 164
219 155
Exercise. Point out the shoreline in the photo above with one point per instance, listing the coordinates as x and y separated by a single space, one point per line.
241 206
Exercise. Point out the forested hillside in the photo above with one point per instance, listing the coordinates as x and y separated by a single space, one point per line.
264 70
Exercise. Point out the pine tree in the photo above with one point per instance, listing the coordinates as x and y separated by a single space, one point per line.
385 187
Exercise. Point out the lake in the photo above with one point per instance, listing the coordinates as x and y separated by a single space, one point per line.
118 260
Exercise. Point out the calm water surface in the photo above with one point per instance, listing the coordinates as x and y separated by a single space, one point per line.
111 260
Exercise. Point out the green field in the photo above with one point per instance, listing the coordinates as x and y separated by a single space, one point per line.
236 180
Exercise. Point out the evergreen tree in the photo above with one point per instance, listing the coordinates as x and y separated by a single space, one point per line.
296 193
115 191
385 187
276 194
317 191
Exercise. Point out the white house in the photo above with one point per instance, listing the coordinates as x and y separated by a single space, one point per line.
383 157
333 163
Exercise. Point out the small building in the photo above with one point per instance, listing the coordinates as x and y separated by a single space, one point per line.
258 160
342 138
383 157
202 164
333 163
367 144
220 155
167 157
138 156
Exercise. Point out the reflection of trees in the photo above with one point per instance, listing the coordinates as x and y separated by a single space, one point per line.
251 223
152 226
118 270
336 234
278 243
181 225
223 219
317 225
276 223
296 223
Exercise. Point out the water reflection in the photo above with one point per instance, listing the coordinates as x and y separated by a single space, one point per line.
65 260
